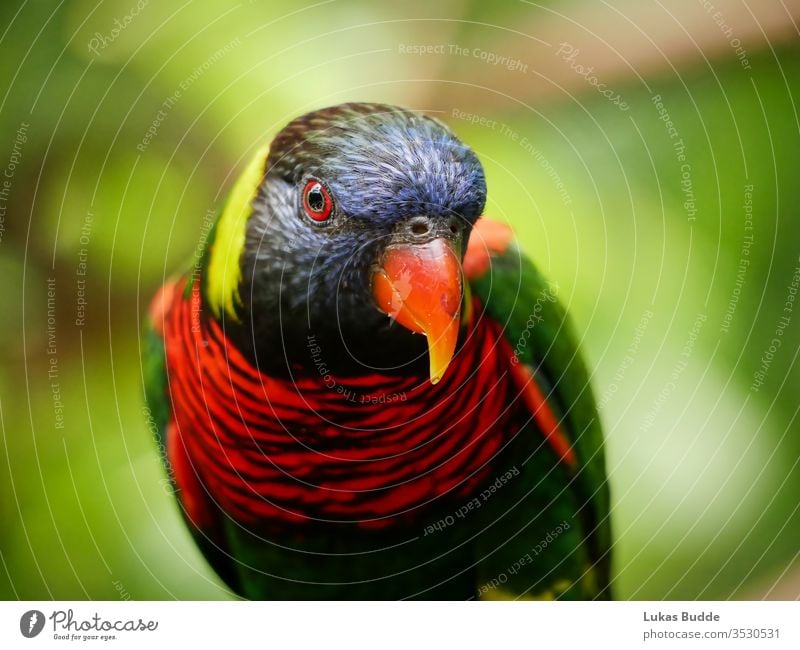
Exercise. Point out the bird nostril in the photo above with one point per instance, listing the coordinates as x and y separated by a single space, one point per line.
420 228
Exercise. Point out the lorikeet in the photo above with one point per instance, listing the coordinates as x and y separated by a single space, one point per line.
364 390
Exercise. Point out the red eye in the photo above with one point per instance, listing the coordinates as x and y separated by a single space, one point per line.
317 201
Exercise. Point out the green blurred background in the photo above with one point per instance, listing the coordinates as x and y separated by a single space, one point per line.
123 122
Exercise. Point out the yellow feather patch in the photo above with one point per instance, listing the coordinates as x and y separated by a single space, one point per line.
488 592
504 594
224 271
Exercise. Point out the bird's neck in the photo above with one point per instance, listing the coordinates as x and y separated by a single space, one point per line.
281 343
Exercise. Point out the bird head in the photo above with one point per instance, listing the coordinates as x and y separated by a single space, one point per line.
350 233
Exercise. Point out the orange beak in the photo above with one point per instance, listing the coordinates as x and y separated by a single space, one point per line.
420 287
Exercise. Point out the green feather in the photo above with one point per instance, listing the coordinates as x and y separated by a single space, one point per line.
154 374
521 299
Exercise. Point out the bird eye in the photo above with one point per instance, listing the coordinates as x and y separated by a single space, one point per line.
317 201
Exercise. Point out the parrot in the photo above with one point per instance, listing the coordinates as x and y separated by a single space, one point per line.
363 389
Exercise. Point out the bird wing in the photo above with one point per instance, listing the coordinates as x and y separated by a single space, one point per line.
553 382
